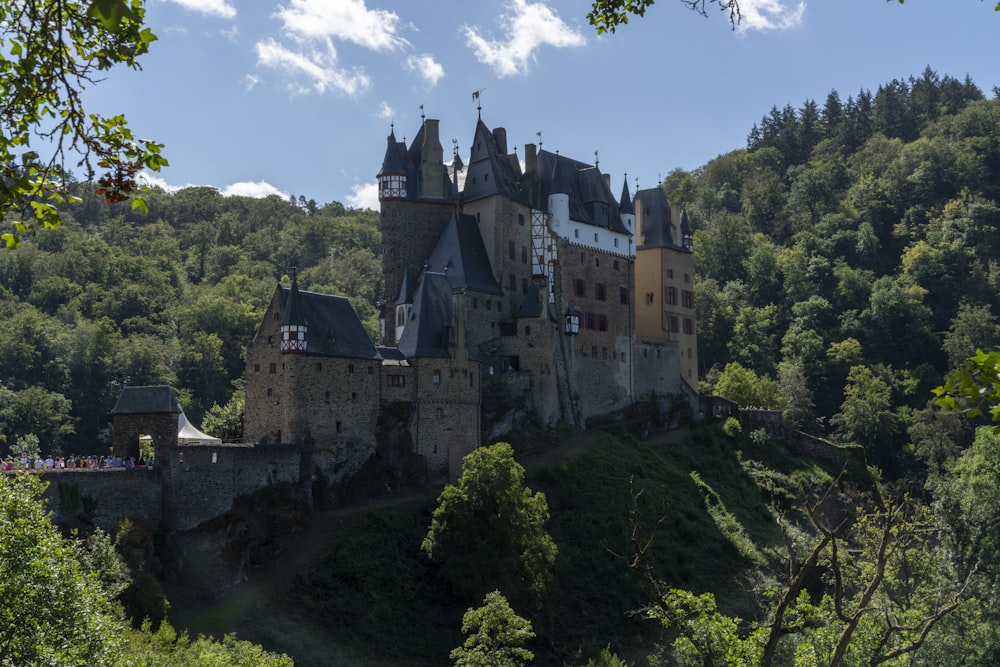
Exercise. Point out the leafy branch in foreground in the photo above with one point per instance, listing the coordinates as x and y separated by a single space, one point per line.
974 388
52 51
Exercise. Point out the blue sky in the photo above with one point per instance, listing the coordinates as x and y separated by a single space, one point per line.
296 97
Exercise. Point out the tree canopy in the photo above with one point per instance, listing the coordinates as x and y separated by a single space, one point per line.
53 51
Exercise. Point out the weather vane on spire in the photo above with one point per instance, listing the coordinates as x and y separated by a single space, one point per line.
422 113
479 105
539 135
597 162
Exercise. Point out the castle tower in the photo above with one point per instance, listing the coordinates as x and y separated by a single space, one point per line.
294 330
664 280
415 202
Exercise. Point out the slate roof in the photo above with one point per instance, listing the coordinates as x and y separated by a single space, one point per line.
428 331
625 203
461 256
293 308
334 328
487 158
147 400
406 288
590 199
394 162
656 223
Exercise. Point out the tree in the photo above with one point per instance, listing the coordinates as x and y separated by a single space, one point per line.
607 15
495 636
488 529
744 387
52 612
53 50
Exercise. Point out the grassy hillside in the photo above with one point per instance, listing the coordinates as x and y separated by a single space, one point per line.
356 590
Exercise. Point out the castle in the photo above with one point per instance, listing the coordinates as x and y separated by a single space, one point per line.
531 286
508 288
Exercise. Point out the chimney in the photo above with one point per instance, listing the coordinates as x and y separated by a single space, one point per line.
500 137
530 163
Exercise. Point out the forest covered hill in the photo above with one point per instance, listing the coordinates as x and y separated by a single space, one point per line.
847 260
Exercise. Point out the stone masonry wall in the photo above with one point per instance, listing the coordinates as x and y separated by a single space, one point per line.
104 497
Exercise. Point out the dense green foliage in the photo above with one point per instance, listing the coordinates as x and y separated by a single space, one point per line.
116 297
488 530
52 51
848 257
495 636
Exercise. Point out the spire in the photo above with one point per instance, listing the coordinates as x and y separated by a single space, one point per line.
625 203
294 330
687 233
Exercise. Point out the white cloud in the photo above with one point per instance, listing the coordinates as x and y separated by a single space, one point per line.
528 27
385 112
429 69
219 8
364 195
311 28
347 20
318 66
769 15
255 189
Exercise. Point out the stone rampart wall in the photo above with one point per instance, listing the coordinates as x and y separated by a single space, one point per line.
103 497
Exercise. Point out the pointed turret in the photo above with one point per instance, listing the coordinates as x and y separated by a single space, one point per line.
392 175
294 330
625 203
687 234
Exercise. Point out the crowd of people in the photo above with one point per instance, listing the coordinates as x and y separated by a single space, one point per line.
73 462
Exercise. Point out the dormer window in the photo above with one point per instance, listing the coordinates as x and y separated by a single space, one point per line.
392 186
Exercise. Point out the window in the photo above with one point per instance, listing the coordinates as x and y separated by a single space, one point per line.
576 233
436 378
524 285
583 258
270 392
439 412
623 295
600 292
670 295
687 298
273 368
687 277
616 261
688 326
256 368
327 396
510 249
319 365
595 237
371 370
674 328
616 245
604 353
597 260
350 368
512 281
340 427
527 331
215 457
489 305
520 219
649 298
524 254
270 340
670 273
593 351
602 322
277 317
396 380
579 287
475 303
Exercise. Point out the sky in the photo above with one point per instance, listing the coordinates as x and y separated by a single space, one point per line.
297 97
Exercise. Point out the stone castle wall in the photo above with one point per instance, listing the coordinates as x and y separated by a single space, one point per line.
410 230
104 497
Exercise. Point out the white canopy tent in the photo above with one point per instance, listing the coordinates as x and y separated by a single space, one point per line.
188 434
